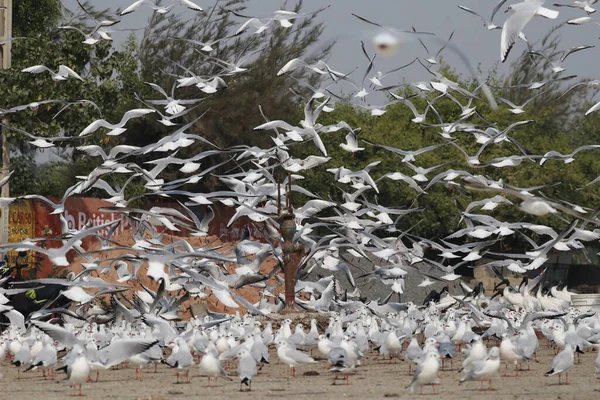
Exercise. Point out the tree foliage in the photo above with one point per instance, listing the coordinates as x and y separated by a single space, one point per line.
35 17
110 79
114 80
230 115
553 128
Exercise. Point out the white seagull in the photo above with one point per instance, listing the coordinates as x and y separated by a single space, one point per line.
63 72
483 370
292 357
562 363
116 129
523 13
246 368
488 24
160 9
426 372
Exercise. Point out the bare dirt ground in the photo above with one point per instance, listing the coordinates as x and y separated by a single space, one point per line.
377 379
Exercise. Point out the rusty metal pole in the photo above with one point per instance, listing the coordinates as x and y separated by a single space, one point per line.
292 253
288 228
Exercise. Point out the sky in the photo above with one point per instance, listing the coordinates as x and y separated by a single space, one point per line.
437 16
441 17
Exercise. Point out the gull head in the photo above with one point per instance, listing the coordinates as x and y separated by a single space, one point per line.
494 352
240 354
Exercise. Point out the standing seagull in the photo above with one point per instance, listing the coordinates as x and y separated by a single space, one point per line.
210 365
78 371
181 358
484 369
426 372
340 363
246 368
292 357
562 363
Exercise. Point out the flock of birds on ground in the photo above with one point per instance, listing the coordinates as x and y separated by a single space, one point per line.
142 327
138 337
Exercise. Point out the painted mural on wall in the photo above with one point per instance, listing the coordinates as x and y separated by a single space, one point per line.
21 226
80 212
34 219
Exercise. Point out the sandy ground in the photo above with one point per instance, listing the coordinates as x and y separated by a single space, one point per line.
377 379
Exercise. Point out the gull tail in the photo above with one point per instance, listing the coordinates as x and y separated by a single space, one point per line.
32 366
551 372
412 387
63 369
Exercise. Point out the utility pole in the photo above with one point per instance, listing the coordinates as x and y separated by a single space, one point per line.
6 31
6 8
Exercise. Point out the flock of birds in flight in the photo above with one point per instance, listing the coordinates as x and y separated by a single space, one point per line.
138 329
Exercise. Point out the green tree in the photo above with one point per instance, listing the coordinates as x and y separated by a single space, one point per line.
553 128
110 79
35 17
230 114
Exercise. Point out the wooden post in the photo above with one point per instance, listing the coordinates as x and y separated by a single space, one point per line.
6 31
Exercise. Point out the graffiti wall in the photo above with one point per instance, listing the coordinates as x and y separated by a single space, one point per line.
28 219
21 226
80 212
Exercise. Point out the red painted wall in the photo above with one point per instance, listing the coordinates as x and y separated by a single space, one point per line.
82 211
79 211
